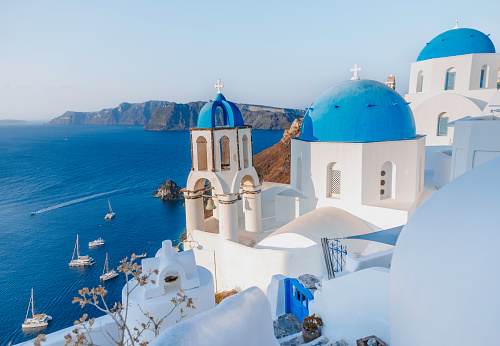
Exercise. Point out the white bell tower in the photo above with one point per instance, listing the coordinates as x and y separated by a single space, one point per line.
222 154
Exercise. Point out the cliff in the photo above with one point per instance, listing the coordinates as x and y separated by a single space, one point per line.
168 116
124 114
273 164
182 116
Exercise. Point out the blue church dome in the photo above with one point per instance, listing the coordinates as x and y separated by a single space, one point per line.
231 114
358 111
457 42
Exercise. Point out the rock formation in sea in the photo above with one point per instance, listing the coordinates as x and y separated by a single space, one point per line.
169 191
168 116
273 164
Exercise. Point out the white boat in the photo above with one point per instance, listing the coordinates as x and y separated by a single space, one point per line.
97 242
106 273
80 261
36 321
144 255
109 215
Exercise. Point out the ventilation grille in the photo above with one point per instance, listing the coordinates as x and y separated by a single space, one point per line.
335 175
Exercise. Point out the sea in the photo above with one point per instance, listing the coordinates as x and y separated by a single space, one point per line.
67 174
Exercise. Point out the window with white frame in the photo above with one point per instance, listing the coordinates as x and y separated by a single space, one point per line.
442 129
483 77
451 74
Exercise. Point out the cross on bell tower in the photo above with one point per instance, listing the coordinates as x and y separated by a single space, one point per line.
355 69
218 86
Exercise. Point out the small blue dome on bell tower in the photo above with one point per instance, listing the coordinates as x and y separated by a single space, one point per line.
231 113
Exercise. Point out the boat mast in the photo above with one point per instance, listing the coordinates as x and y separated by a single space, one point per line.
110 210
28 311
106 269
32 304
77 247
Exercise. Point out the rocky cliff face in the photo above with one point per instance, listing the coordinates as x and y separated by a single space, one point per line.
124 114
273 164
178 116
168 116
175 116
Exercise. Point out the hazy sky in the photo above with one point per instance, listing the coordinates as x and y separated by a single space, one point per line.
88 55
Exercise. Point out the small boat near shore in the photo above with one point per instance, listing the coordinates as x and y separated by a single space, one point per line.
33 213
96 243
109 215
144 255
106 273
36 321
80 261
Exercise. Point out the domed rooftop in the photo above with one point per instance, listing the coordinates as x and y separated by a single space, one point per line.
231 114
358 111
444 271
454 42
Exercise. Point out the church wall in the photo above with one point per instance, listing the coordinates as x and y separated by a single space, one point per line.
427 115
476 142
234 262
405 155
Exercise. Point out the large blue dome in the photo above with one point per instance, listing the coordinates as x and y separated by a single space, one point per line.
231 114
457 42
358 111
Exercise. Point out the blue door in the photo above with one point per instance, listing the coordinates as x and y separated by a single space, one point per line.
297 299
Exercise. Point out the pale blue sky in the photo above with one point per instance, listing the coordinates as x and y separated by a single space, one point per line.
88 55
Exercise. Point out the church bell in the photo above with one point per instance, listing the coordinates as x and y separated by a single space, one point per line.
210 204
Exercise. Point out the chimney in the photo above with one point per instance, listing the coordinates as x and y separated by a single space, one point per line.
391 82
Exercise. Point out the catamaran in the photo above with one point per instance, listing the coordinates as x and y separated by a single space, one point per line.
109 215
106 273
36 321
80 261
95 243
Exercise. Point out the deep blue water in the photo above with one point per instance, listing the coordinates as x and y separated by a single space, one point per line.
71 172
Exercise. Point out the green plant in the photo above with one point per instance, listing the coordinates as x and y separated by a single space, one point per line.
312 323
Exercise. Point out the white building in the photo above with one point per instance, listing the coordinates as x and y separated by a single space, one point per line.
455 76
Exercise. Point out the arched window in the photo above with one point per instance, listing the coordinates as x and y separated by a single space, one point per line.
420 81
334 180
201 153
246 163
442 129
451 74
225 154
387 183
298 183
483 79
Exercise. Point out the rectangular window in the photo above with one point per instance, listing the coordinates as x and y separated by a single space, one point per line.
481 83
450 81
443 126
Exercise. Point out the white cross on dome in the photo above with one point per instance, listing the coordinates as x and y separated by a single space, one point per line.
218 86
355 69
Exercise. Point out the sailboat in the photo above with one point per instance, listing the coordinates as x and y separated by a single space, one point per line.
80 261
109 215
106 273
36 321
